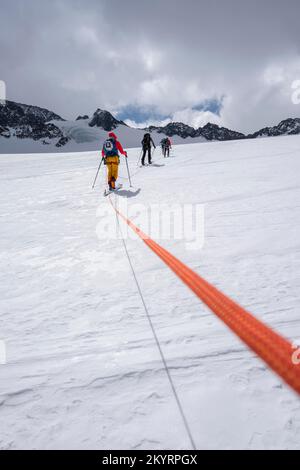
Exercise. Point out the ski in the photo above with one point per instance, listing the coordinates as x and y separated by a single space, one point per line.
107 192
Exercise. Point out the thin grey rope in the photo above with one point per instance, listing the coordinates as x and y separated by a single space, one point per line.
185 422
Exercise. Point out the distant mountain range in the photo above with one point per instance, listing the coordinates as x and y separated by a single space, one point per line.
22 124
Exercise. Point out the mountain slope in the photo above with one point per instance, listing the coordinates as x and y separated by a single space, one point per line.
214 132
20 121
15 114
286 127
83 369
208 132
174 128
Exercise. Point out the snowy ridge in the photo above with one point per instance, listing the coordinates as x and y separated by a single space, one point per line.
83 370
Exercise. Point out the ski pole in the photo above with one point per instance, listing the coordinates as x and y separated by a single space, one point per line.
98 172
140 158
128 171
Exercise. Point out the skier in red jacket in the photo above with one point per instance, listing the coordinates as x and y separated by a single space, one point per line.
110 153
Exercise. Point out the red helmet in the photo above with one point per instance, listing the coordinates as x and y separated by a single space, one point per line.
112 135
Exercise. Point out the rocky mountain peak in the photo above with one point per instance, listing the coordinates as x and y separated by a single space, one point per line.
105 120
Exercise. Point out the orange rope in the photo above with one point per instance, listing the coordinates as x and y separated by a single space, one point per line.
271 347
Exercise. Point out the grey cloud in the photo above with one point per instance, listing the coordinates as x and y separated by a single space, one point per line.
75 55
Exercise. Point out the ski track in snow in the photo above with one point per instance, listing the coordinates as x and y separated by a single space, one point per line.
82 367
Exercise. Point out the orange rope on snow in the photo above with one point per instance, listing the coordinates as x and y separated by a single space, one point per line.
271 347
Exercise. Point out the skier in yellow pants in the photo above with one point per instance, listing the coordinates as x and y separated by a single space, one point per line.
110 153
112 164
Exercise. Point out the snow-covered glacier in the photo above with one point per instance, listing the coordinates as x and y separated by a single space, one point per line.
82 368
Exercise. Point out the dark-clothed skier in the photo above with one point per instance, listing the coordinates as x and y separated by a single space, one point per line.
147 144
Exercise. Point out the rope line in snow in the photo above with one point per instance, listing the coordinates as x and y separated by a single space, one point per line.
175 394
270 346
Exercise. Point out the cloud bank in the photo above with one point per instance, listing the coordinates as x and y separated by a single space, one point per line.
167 57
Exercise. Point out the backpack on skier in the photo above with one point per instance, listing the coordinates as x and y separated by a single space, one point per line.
110 148
146 141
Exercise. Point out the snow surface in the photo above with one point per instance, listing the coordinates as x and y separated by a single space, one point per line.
83 370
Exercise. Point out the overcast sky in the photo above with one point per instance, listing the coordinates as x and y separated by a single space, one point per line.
227 61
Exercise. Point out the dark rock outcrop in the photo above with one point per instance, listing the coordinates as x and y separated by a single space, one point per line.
209 131
83 118
28 122
215 132
286 127
105 120
4 132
